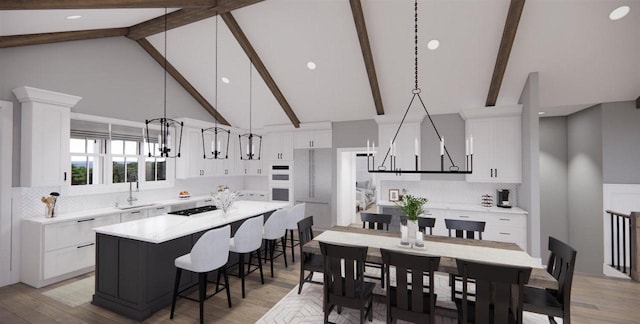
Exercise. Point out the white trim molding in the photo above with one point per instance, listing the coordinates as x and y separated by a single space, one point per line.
9 256
26 94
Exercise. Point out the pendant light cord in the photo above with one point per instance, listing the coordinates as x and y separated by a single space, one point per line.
216 74
250 94
165 63
416 42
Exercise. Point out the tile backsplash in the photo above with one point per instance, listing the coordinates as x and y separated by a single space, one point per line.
29 205
449 191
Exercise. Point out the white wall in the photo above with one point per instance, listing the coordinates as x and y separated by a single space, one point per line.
8 261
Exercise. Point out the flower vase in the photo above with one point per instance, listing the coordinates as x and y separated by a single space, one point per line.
404 234
412 227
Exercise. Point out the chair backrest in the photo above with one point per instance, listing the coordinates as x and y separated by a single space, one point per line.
376 221
561 264
296 214
409 298
461 226
424 222
211 251
276 224
497 286
343 271
248 237
305 230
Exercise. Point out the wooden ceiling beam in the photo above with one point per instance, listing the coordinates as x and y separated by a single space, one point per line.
260 67
184 17
182 81
367 55
508 37
102 4
45 38
638 103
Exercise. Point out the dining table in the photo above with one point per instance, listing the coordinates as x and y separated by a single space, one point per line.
447 248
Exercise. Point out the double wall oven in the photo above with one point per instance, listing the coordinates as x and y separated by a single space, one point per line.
281 182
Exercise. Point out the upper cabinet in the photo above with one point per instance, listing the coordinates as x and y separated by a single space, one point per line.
191 163
45 131
312 139
279 146
497 144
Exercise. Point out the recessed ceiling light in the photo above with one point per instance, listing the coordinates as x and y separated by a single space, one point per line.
225 80
73 17
433 44
311 65
619 12
541 112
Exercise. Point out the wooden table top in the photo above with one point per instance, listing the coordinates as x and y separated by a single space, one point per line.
539 276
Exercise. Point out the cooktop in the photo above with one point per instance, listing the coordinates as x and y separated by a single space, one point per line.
193 211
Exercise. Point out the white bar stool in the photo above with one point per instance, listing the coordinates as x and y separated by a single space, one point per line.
275 228
248 239
296 214
211 252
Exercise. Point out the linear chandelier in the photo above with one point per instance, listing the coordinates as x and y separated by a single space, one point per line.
219 136
391 151
164 145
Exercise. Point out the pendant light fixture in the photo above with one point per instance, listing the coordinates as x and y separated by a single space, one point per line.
167 126
391 151
219 136
250 143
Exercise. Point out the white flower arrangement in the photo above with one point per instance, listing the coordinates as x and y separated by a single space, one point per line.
223 199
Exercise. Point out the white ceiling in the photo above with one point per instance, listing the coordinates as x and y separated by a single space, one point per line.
583 57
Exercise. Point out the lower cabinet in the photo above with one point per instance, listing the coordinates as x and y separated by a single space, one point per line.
52 252
134 215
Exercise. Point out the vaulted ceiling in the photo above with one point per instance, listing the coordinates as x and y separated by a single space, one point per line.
583 57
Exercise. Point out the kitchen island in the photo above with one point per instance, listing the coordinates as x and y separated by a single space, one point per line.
135 260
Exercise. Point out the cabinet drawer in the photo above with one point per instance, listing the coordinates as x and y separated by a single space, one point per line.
76 232
134 215
155 211
69 259
515 221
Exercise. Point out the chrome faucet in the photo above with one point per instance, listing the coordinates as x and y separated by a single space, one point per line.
131 199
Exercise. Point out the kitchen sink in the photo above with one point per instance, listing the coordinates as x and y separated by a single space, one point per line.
125 207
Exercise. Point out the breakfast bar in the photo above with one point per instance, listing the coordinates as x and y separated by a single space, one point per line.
135 260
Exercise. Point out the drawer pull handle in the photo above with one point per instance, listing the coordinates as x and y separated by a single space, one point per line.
83 246
505 219
464 216
207 200
504 233
135 212
86 220
160 208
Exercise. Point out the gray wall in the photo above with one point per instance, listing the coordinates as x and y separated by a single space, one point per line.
451 127
114 76
620 142
554 200
348 134
584 136
529 190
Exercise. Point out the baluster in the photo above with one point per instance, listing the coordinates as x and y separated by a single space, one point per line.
613 262
618 241
624 246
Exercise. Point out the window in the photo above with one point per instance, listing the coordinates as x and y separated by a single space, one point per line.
87 160
155 168
124 158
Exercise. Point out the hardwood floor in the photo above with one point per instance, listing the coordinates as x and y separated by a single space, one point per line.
595 300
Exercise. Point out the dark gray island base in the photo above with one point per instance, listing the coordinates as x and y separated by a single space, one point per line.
135 278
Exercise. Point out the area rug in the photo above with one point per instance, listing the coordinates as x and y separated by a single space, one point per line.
307 307
75 293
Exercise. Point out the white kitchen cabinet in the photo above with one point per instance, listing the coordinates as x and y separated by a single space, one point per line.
280 146
232 165
312 139
497 147
158 210
45 137
192 163
55 251
254 168
134 215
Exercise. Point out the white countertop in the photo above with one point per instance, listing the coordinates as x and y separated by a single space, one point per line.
88 213
168 227
458 206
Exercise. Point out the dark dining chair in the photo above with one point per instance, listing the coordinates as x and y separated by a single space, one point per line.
426 222
408 301
344 284
499 292
462 229
378 222
554 302
309 261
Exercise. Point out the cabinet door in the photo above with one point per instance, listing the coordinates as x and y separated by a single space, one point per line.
302 140
208 166
482 132
254 168
287 146
507 150
49 140
322 139
190 164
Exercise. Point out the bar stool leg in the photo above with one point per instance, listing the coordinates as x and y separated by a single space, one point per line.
284 251
293 259
273 247
176 286
203 293
226 284
260 266
241 270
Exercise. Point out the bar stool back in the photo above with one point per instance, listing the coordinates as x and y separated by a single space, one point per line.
211 252
248 239
275 228
296 214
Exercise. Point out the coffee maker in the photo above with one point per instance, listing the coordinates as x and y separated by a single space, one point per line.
503 198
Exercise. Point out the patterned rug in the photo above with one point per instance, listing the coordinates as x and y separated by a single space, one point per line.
307 307
75 293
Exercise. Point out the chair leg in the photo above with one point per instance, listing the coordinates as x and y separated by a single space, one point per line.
371 309
452 283
301 275
362 314
202 278
241 267
273 246
260 266
226 284
218 282
382 275
176 286
293 259
284 251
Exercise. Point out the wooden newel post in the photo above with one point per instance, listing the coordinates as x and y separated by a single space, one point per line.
634 232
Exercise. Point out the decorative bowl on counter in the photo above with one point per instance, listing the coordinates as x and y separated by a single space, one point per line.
184 194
